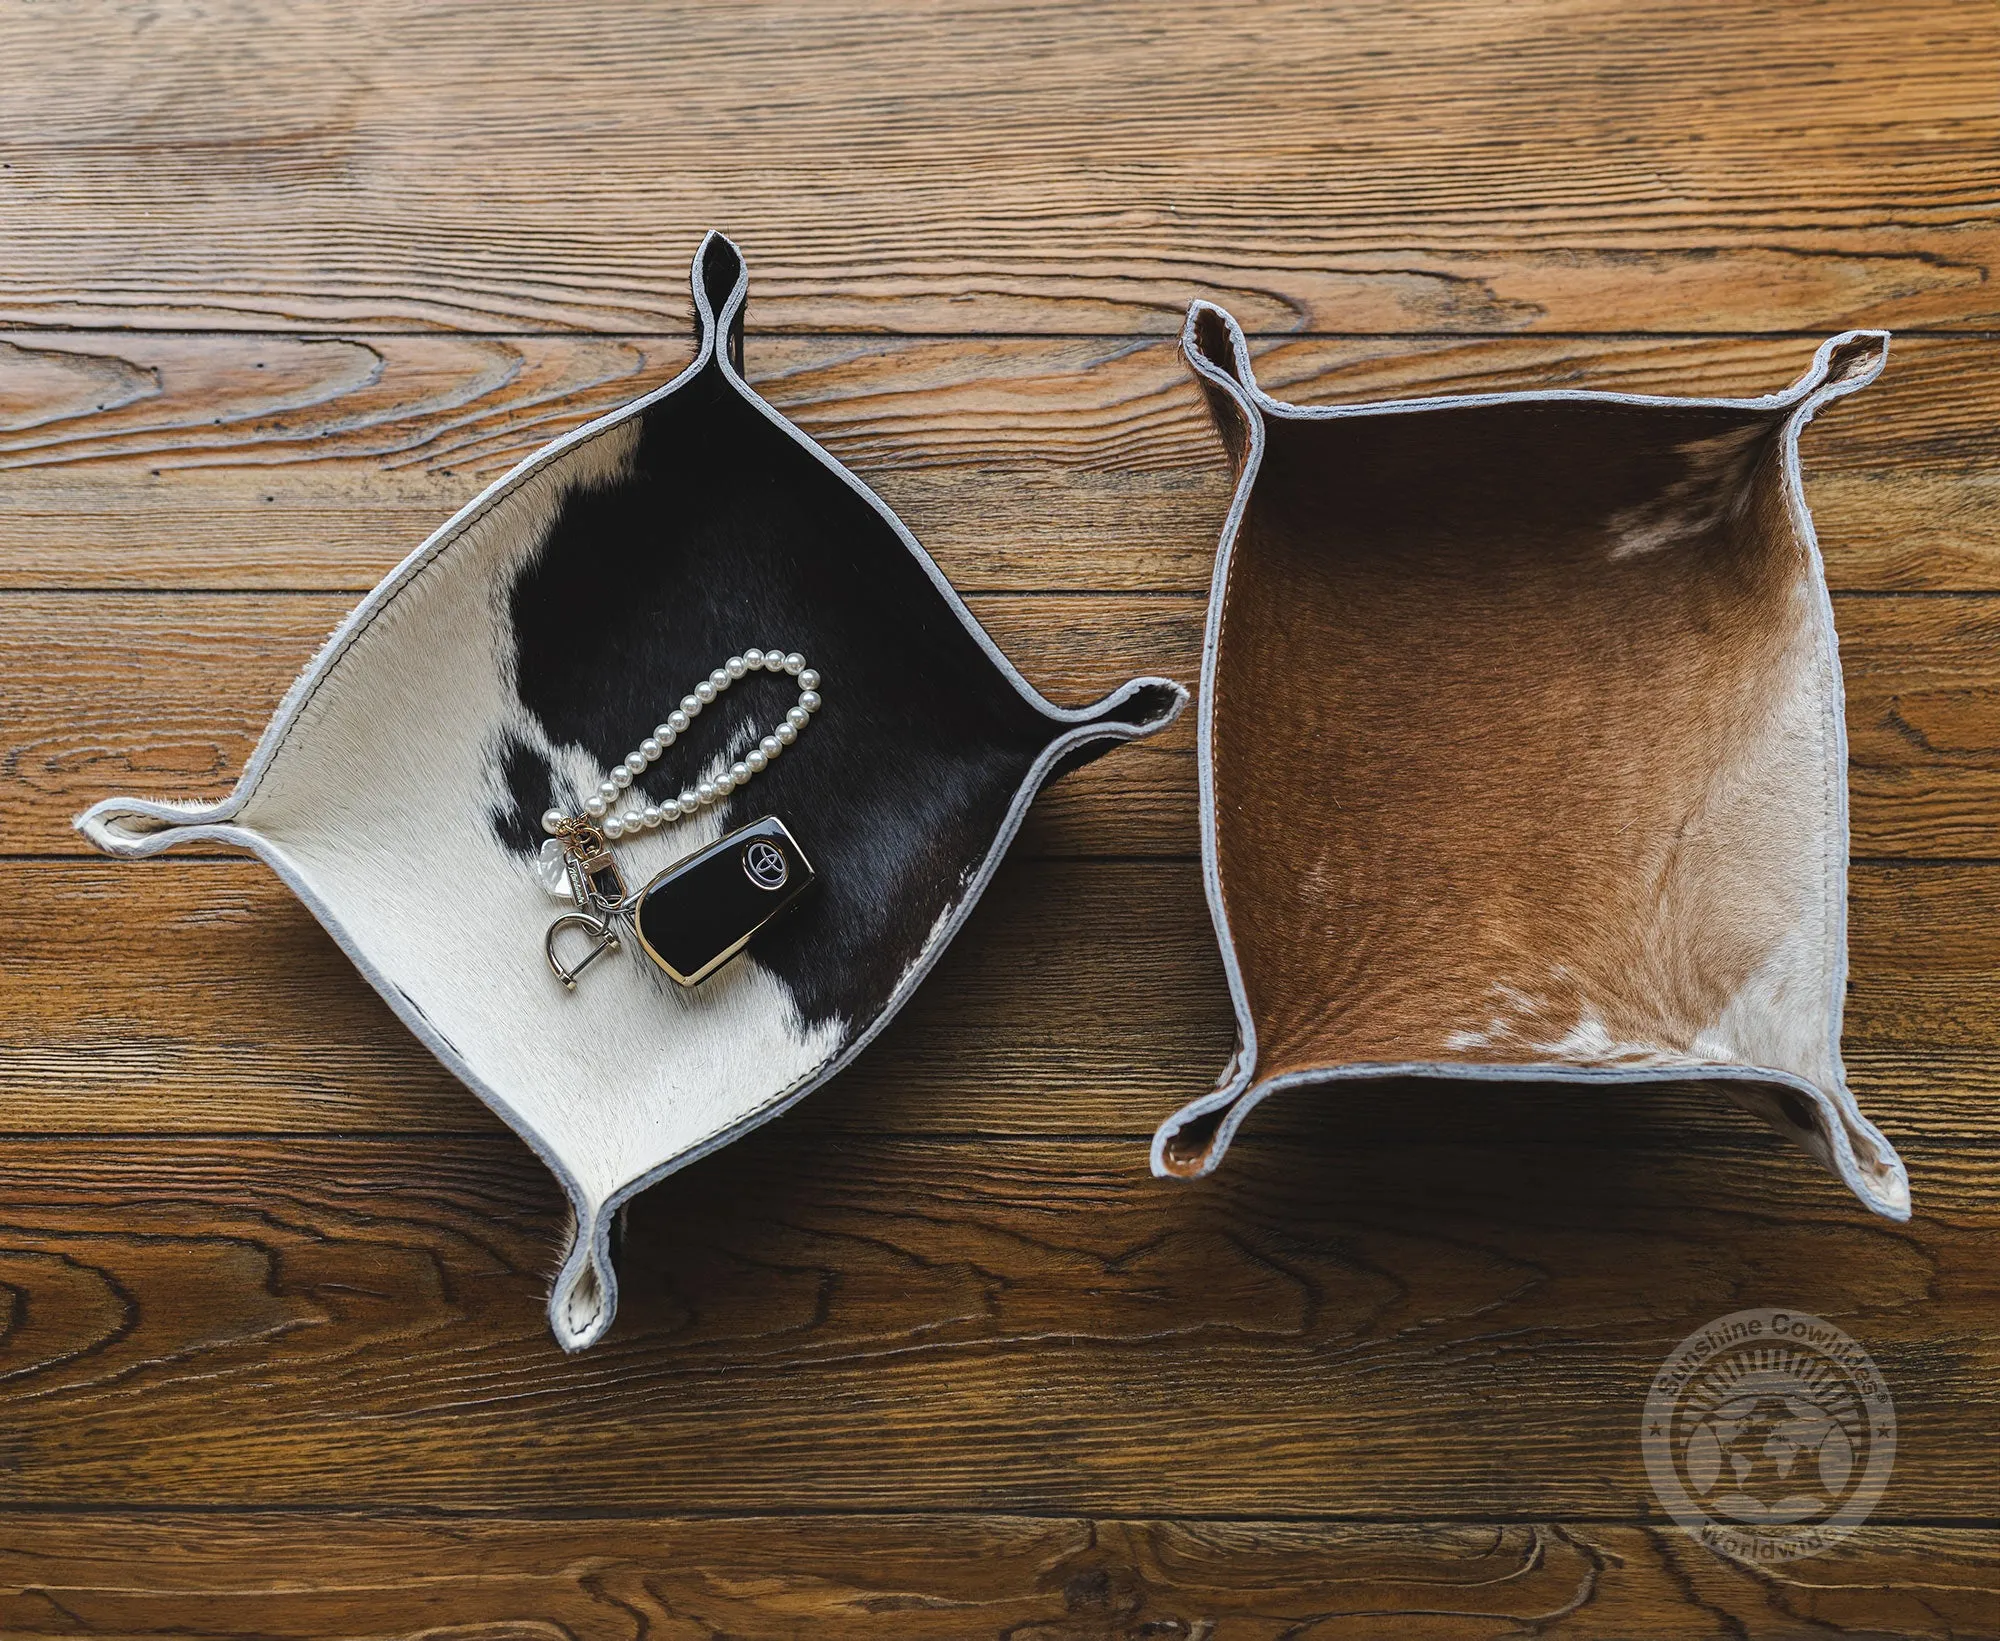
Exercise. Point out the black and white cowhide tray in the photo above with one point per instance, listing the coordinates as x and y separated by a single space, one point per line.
526 647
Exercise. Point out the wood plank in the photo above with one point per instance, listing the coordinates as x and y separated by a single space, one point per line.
1085 997
1040 1327
936 1578
935 1356
1096 986
105 693
1922 723
224 461
1022 165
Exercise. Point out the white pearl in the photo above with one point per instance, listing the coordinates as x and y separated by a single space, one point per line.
809 679
608 790
687 803
677 722
795 663
810 700
706 792
739 772
725 783
652 815
770 746
594 807
786 733
664 734
650 748
621 777
636 762
774 660
633 819
613 827
737 665
704 692
691 705
720 678
552 820
752 659
798 717
756 760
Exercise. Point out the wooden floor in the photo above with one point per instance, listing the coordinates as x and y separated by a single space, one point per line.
934 1357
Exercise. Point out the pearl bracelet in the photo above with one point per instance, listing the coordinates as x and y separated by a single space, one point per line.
599 809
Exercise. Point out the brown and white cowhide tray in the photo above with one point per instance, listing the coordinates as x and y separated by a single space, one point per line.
1522 751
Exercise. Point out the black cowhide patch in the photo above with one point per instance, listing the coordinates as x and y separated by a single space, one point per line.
729 533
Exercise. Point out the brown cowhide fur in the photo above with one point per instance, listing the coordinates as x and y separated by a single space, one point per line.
1522 751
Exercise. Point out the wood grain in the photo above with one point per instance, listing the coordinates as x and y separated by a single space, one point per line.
165 696
316 464
1383 1328
283 287
1086 998
941 1578
1005 165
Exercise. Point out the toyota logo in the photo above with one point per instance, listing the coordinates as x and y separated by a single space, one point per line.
765 865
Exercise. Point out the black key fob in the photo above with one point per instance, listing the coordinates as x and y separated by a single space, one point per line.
700 912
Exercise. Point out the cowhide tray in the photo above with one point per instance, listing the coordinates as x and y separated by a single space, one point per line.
526 647
1522 753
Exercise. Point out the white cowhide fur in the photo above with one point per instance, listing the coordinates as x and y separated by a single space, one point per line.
397 788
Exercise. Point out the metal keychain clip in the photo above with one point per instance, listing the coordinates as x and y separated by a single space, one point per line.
598 888
604 938
595 883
